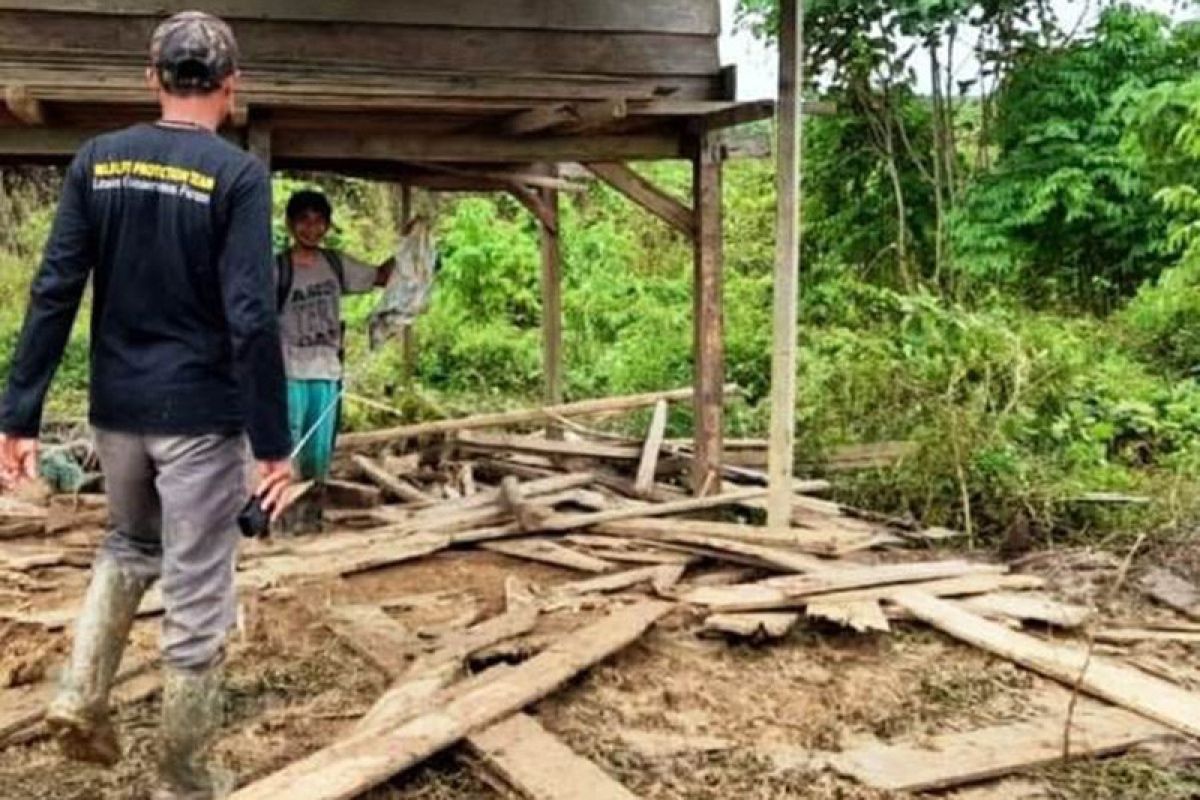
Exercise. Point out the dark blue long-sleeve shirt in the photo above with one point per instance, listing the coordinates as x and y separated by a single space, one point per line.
175 225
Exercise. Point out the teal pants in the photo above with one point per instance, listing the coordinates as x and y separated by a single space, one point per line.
307 402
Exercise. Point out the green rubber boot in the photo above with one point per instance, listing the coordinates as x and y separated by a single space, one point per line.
78 716
192 708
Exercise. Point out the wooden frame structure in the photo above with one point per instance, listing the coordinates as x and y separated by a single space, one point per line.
459 95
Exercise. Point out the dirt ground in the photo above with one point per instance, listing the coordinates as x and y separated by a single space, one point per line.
293 688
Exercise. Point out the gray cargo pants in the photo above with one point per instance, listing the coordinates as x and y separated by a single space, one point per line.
173 506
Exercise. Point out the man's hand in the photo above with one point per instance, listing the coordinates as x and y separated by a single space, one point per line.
274 479
18 461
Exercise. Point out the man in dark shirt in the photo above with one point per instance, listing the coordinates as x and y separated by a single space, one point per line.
173 226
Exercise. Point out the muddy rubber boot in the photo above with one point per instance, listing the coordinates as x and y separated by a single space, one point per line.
78 716
192 708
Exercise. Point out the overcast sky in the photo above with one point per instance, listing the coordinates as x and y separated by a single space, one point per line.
757 63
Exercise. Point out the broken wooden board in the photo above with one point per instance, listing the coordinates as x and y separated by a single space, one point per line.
536 487
779 592
753 626
389 483
549 552
539 766
612 583
773 557
862 616
1172 591
1070 664
959 758
490 443
1029 608
363 760
347 494
644 481
566 522
372 634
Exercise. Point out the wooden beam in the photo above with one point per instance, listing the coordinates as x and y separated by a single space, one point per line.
408 336
503 418
693 17
708 317
552 312
301 145
781 456
575 116
23 105
536 205
647 195
367 758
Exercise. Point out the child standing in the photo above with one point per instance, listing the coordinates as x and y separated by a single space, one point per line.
311 282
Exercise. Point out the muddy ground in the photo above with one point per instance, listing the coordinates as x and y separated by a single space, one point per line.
294 687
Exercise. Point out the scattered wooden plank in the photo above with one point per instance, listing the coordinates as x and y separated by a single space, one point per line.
825 543
777 592
537 487
763 597
1029 608
958 758
492 443
1172 591
389 483
1118 684
666 578
539 766
768 625
1135 635
549 552
566 522
513 501
644 482
366 759
347 494
862 616
774 557
356 441
610 583
371 633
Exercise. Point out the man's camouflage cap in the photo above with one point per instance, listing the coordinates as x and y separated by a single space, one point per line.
193 51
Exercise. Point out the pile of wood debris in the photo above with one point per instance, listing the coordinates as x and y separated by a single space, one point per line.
615 511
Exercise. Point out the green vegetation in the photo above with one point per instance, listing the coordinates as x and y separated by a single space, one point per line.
1005 270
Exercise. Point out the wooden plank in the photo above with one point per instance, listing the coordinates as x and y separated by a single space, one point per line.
1136 635
536 487
539 766
370 632
648 465
612 583
782 454
772 557
364 760
954 759
696 17
492 442
792 591
23 105
549 552
770 625
566 522
457 49
390 483
574 115
1072 665
825 543
645 194
504 418
708 317
1029 608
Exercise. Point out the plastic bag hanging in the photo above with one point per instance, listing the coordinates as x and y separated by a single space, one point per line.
407 293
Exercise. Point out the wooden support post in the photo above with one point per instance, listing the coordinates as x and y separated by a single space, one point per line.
782 448
708 318
551 300
408 337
